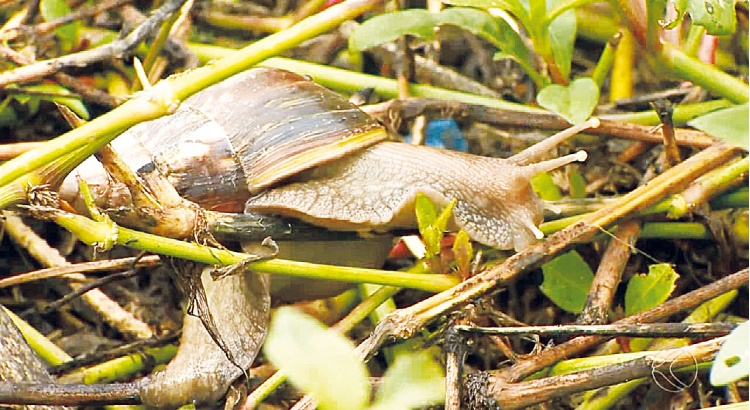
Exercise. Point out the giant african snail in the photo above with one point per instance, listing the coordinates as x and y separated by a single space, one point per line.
277 143
297 149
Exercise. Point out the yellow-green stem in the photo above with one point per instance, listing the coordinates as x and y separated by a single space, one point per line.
98 233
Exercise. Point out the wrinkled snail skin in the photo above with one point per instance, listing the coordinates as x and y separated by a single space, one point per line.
375 190
272 142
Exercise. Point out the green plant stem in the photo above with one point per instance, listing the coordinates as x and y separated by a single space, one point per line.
707 76
98 233
682 113
654 14
675 230
712 183
167 94
158 45
677 63
262 24
677 205
52 354
349 81
621 85
593 25
693 41
264 390
651 230
47 351
603 399
606 59
124 367
735 199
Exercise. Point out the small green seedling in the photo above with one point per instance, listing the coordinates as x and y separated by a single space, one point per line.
323 363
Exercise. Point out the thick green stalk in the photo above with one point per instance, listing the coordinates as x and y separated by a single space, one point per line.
105 234
349 81
705 75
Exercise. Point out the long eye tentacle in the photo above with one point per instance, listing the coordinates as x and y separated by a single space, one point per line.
550 165
535 152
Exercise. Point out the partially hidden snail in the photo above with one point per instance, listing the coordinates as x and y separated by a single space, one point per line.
272 142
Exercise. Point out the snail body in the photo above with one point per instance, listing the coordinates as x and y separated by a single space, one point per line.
271 142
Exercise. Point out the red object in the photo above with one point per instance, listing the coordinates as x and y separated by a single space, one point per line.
401 251
329 3
707 49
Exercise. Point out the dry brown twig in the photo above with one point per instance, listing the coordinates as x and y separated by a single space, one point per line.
88 93
111 312
520 395
609 273
46 27
574 346
499 384
114 50
86 267
413 107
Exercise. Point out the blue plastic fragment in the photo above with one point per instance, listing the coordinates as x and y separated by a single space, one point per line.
443 133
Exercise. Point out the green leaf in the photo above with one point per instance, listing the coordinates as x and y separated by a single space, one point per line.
520 9
463 252
577 184
422 23
74 103
717 16
545 187
556 8
431 226
414 380
575 102
388 27
562 37
55 9
729 124
441 222
648 291
495 30
567 280
432 236
8 116
317 360
426 213
733 360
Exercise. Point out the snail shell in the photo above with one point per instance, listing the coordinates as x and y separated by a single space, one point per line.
234 139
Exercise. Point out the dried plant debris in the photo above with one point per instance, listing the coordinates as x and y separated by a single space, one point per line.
524 261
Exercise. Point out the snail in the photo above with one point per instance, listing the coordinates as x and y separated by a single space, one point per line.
268 141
